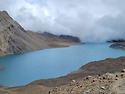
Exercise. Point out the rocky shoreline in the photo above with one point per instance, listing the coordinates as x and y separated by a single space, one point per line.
93 78
118 45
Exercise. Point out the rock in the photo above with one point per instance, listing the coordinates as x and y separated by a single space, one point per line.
102 87
1 68
94 80
89 77
122 75
73 81
104 77
123 70
116 76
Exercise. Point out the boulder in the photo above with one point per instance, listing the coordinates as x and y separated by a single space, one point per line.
1 68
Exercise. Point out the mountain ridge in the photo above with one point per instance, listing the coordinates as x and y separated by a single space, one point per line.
15 39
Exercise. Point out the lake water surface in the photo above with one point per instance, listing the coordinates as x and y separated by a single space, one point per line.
21 69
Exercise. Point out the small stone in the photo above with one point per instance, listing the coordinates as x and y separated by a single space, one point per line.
123 70
94 80
122 75
116 79
1 68
99 74
49 92
116 76
80 85
73 81
104 77
77 84
103 87
87 78
100 78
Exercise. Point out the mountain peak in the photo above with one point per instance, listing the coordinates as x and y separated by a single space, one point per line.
1 12
4 14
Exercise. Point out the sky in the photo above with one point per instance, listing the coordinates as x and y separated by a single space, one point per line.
90 20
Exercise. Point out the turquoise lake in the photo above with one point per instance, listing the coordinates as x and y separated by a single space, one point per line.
21 69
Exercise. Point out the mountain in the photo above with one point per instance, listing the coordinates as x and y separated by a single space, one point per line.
15 39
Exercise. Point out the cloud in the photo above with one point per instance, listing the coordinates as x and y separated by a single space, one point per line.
90 20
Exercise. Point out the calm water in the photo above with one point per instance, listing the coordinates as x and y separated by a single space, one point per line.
21 69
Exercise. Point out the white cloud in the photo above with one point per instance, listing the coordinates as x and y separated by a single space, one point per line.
90 20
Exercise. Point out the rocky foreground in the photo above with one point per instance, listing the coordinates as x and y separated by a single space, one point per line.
99 77
15 39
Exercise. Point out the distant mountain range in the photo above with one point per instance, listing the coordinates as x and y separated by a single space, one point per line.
15 39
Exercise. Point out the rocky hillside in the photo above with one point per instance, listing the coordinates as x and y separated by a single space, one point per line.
52 41
14 39
118 45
